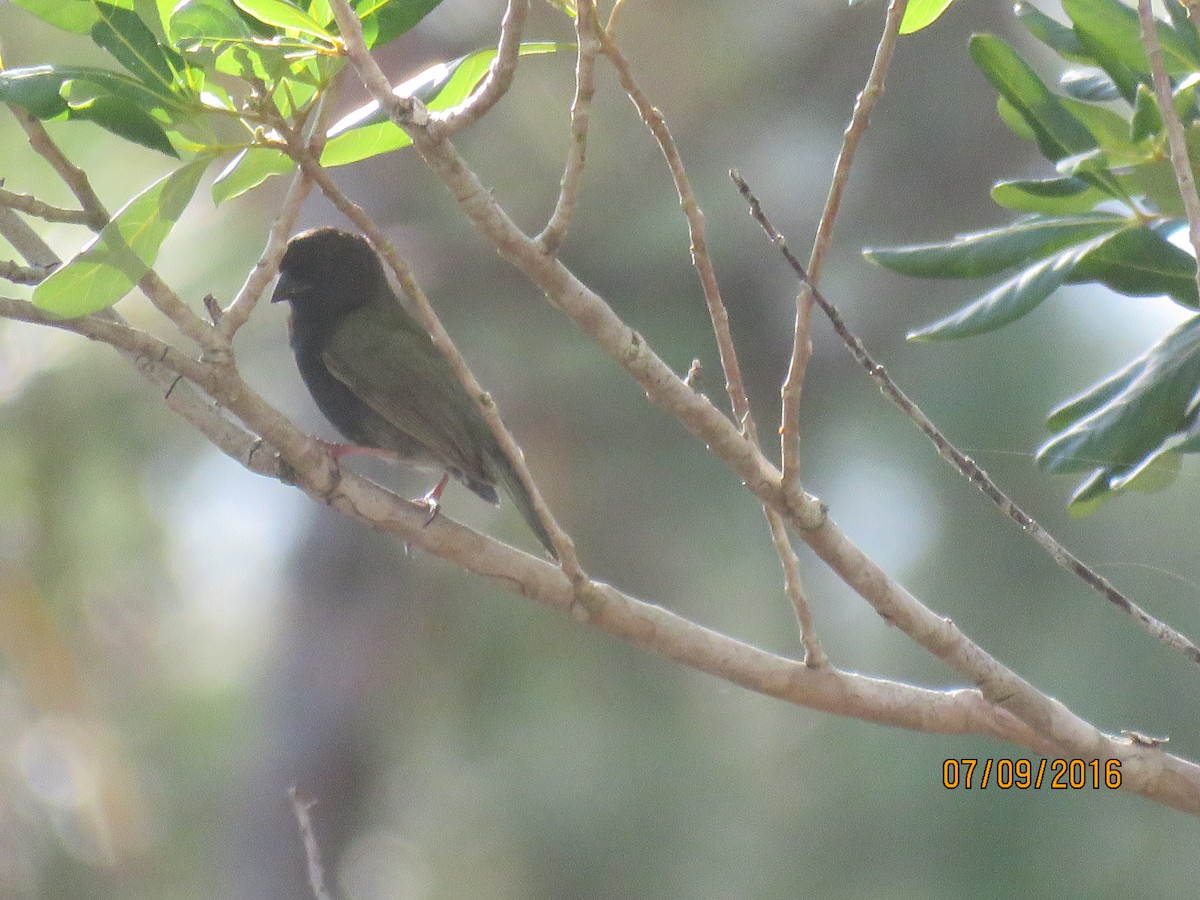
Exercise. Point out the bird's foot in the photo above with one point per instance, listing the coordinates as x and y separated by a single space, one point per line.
339 451
432 500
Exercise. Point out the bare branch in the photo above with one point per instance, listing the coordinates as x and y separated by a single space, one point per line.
301 807
73 176
39 209
19 274
965 465
587 34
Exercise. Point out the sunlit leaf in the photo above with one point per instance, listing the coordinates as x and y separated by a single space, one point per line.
248 170
368 132
921 14
283 14
123 34
1138 262
120 255
76 16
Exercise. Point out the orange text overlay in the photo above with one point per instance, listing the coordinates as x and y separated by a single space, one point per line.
1056 774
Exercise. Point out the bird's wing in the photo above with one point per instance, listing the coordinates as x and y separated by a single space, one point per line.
387 360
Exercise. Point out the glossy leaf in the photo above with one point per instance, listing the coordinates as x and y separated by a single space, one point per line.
1058 133
1138 262
1115 29
989 252
206 22
1156 396
1091 86
126 120
123 34
1051 196
116 259
1007 302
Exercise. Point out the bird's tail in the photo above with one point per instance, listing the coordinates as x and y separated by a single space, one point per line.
511 482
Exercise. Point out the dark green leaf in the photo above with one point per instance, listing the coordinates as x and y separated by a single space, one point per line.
125 120
1058 133
1051 196
75 16
989 252
1093 398
386 20
1007 302
121 254
33 88
1126 427
123 34
1138 262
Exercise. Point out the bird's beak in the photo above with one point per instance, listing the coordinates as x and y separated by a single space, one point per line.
289 288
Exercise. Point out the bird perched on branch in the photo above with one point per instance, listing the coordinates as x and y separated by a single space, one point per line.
376 375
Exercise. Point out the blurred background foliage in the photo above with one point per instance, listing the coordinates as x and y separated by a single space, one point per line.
181 641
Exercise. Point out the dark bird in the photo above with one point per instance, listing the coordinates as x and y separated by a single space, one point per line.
378 378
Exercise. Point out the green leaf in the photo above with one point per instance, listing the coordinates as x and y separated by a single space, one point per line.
921 14
121 254
1138 262
1110 130
368 132
1185 31
386 20
1113 31
1093 398
1125 427
1058 37
984 253
1052 196
1146 118
123 34
206 23
75 16
125 120
1006 302
1058 133
35 87
248 170
282 14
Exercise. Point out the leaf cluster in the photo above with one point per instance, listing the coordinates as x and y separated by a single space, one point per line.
1106 216
209 80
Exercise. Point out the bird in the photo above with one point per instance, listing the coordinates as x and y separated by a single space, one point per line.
376 375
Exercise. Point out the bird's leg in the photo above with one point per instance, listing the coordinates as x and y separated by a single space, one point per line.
431 500
338 451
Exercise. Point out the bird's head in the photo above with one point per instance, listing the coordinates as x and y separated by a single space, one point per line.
328 272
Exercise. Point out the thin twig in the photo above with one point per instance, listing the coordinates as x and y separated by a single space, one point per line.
734 384
73 176
586 31
40 209
793 385
499 77
965 465
19 274
237 313
1176 139
415 120
302 806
